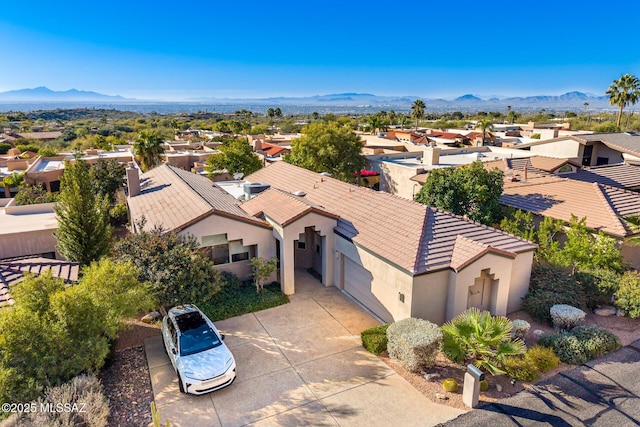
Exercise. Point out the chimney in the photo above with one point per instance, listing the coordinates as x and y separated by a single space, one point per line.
431 156
133 180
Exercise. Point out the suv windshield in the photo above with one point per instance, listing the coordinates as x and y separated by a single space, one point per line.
195 334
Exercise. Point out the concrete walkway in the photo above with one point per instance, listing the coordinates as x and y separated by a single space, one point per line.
298 364
604 392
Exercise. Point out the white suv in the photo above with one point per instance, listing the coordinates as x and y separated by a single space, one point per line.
194 345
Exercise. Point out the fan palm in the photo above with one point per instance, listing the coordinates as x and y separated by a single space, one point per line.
417 110
485 125
624 91
482 338
148 146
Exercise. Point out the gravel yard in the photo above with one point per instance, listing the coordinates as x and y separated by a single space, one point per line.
126 380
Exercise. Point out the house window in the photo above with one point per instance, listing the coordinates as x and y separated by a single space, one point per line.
220 254
602 161
241 253
565 169
302 241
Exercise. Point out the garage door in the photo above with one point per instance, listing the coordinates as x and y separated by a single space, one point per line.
357 282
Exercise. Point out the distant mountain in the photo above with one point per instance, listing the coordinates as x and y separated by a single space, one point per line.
44 94
468 98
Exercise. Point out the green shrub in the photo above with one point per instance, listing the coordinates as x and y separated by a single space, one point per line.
628 295
548 341
596 340
543 357
375 339
520 369
413 343
551 285
84 391
480 337
599 285
236 298
4 148
570 350
582 344
450 385
484 385
119 214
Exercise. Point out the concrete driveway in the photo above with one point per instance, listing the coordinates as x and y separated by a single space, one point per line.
298 364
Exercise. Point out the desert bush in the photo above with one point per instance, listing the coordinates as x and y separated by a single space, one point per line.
481 338
548 341
375 339
551 285
565 317
520 328
628 294
450 385
543 357
520 369
599 285
582 344
413 343
83 397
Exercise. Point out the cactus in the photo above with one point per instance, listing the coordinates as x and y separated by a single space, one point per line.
450 385
155 417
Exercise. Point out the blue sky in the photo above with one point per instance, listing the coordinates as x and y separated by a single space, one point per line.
214 48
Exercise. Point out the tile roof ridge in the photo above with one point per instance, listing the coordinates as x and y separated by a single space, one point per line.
610 210
481 225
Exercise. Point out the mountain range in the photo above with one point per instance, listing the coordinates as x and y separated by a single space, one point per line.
351 101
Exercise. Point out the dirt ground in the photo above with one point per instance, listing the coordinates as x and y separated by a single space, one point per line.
628 330
135 333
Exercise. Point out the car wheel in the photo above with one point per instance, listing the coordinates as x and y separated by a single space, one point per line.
180 384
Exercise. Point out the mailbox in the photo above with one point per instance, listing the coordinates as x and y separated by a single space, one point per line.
475 372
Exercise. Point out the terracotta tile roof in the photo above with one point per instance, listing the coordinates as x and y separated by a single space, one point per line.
175 199
273 150
282 207
412 236
560 198
12 272
618 175
465 251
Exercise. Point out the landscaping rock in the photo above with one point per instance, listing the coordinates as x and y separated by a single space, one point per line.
606 310
151 317
431 377
441 396
499 388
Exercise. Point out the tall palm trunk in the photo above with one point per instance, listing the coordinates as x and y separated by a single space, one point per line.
620 115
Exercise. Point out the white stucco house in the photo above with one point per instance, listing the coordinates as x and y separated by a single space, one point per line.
396 257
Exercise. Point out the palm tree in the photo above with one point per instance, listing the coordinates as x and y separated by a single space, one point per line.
586 104
148 147
624 91
485 125
479 337
315 115
374 123
271 113
417 110
278 112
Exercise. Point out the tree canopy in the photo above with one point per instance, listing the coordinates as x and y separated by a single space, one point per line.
148 146
235 156
84 231
470 191
417 110
624 91
328 147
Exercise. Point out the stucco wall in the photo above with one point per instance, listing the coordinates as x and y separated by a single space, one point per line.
28 243
388 281
429 299
520 277
396 179
601 150
235 230
568 148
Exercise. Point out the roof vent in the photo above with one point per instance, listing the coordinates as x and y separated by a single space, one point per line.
299 193
325 174
253 189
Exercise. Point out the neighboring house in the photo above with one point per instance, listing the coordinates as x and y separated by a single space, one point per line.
39 136
604 206
402 174
590 149
27 230
398 258
13 271
524 167
620 175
